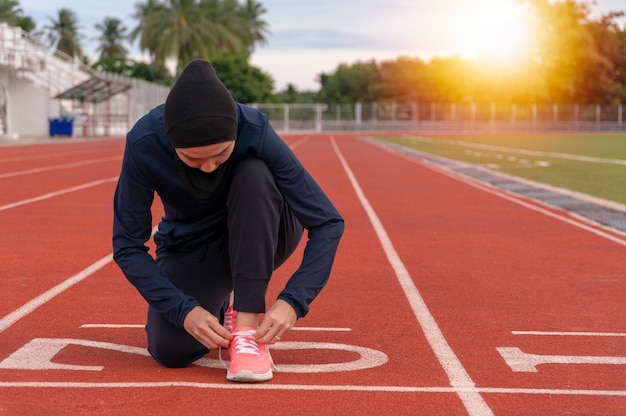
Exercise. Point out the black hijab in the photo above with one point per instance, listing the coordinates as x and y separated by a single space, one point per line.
199 111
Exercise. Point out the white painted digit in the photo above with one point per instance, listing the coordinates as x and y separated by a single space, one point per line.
519 361
39 353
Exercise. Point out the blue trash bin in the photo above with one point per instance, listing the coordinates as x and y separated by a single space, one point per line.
61 126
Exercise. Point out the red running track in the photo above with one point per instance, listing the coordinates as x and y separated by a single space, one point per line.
447 297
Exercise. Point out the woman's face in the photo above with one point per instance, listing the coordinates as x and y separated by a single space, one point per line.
206 158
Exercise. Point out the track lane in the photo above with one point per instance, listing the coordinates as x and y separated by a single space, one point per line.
50 218
66 165
362 295
487 268
366 311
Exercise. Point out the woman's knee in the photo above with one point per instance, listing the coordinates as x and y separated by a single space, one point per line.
253 176
173 354
171 346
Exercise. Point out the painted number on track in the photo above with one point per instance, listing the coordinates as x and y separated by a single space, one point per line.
520 361
38 354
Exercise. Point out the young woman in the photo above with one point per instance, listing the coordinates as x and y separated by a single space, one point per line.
236 203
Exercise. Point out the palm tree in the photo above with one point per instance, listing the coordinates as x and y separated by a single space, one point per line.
184 30
243 21
11 14
143 13
223 16
256 29
66 29
113 35
188 29
9 11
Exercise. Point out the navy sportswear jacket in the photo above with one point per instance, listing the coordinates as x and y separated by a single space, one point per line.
149 168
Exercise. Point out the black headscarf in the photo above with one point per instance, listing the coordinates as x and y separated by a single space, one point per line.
199 111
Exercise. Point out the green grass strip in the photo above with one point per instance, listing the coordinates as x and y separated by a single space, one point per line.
593 164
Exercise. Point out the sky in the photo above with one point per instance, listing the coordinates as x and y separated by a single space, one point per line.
308 38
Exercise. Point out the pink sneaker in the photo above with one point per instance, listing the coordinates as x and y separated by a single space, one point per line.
250 360
230 317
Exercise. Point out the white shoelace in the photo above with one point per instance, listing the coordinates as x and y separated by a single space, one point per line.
245 343
230 317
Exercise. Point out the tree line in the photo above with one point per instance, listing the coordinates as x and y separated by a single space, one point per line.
574 58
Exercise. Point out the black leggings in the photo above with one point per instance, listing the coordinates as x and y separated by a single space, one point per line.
262 234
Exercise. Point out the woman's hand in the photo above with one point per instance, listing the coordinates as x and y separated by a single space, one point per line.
206 328
276 323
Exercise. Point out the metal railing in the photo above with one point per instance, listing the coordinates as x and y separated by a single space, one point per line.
24 57
287 117
30 60
3 109
445 117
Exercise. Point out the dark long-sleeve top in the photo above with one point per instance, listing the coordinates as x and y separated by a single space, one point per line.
149 168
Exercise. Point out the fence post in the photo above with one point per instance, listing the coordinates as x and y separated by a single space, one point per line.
286 117
598 114
619 114
357 113
414 111
318 117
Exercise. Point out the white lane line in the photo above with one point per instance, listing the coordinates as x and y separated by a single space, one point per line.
30 306
585 197
57 193
305 387
85 152
112 326
34 157
517 199
320 329
457 375
571 334
58 167
295 328
45 297
503 149
524 202
299 142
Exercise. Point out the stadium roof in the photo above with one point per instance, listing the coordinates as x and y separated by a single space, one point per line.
96 89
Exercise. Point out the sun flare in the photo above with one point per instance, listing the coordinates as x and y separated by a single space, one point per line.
499 31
